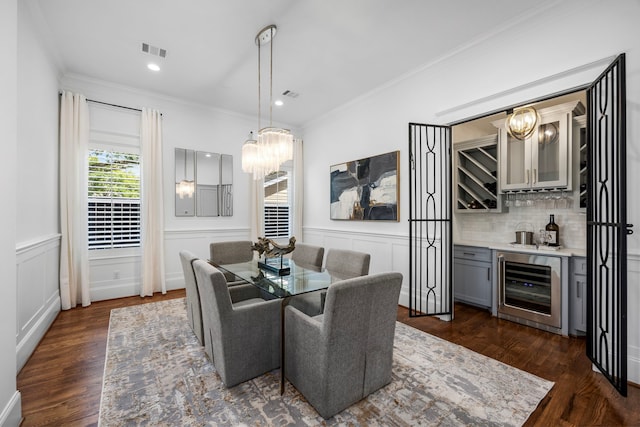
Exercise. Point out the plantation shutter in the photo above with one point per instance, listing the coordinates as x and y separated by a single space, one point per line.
114 200
276 205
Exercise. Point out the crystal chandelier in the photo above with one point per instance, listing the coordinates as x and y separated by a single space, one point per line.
273 145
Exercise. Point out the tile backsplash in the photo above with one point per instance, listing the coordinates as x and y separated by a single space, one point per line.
493 227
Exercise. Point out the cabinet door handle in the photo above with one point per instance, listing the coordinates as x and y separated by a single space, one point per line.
527 181
488 274
469 254
578 289
535 176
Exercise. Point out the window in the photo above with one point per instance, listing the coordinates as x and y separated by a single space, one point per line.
114 200
277 205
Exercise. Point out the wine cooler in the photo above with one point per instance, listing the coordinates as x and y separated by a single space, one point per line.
529 288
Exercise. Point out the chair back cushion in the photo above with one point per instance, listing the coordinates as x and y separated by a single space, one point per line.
308 255
230 252
345 264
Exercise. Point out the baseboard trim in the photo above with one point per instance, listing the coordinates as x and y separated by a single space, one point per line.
175 282
131 289
28 344
633 365
121 290
11 415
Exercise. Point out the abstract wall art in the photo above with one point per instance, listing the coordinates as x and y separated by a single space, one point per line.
366 189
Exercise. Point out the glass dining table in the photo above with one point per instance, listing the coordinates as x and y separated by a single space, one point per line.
299 280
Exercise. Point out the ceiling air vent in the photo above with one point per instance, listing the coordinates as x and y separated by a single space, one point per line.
290 94
153 50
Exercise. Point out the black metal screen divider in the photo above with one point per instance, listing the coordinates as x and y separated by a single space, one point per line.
430 222
607 226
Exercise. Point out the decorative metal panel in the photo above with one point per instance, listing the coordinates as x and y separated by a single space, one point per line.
430 222
607 226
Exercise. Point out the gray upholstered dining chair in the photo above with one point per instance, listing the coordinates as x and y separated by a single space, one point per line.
231 252
308 255
345 264
342 264
194 310
241 330
337 358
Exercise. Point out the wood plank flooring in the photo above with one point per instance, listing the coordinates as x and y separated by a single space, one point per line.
61 383
580 397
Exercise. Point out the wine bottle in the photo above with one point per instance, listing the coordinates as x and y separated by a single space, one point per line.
553 232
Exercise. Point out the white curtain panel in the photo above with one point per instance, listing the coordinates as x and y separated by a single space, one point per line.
74 252
298 185
152 204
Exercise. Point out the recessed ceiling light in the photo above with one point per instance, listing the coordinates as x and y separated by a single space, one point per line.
153 67
278 102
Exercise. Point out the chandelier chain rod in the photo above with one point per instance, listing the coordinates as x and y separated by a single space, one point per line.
271 80
259 87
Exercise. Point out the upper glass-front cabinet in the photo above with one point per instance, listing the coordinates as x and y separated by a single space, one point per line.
543 160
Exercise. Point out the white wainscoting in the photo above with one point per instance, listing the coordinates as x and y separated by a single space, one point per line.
38 296
389 252
114 273
117 274
196 241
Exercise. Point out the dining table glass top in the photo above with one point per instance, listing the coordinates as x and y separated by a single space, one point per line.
301 278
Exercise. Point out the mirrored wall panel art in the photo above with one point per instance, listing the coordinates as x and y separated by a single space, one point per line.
204 183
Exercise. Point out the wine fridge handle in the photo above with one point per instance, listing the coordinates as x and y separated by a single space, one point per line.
500 279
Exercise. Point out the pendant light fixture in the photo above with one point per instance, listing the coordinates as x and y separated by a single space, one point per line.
273 145
250 155
522 122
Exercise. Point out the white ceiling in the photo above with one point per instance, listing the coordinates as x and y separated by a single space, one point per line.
327 51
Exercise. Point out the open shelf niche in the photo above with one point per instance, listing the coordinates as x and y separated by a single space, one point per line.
475 175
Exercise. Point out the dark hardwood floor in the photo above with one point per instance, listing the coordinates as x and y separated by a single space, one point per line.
61 383
580 397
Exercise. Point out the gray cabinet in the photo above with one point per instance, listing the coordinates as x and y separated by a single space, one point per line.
473 272
578 296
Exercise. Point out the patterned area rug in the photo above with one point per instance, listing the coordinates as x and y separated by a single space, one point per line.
157 374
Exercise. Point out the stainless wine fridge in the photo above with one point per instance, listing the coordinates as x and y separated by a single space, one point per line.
529 288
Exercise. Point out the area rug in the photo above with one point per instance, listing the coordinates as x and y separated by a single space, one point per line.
157 374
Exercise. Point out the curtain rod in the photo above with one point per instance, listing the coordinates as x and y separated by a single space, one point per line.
112 105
